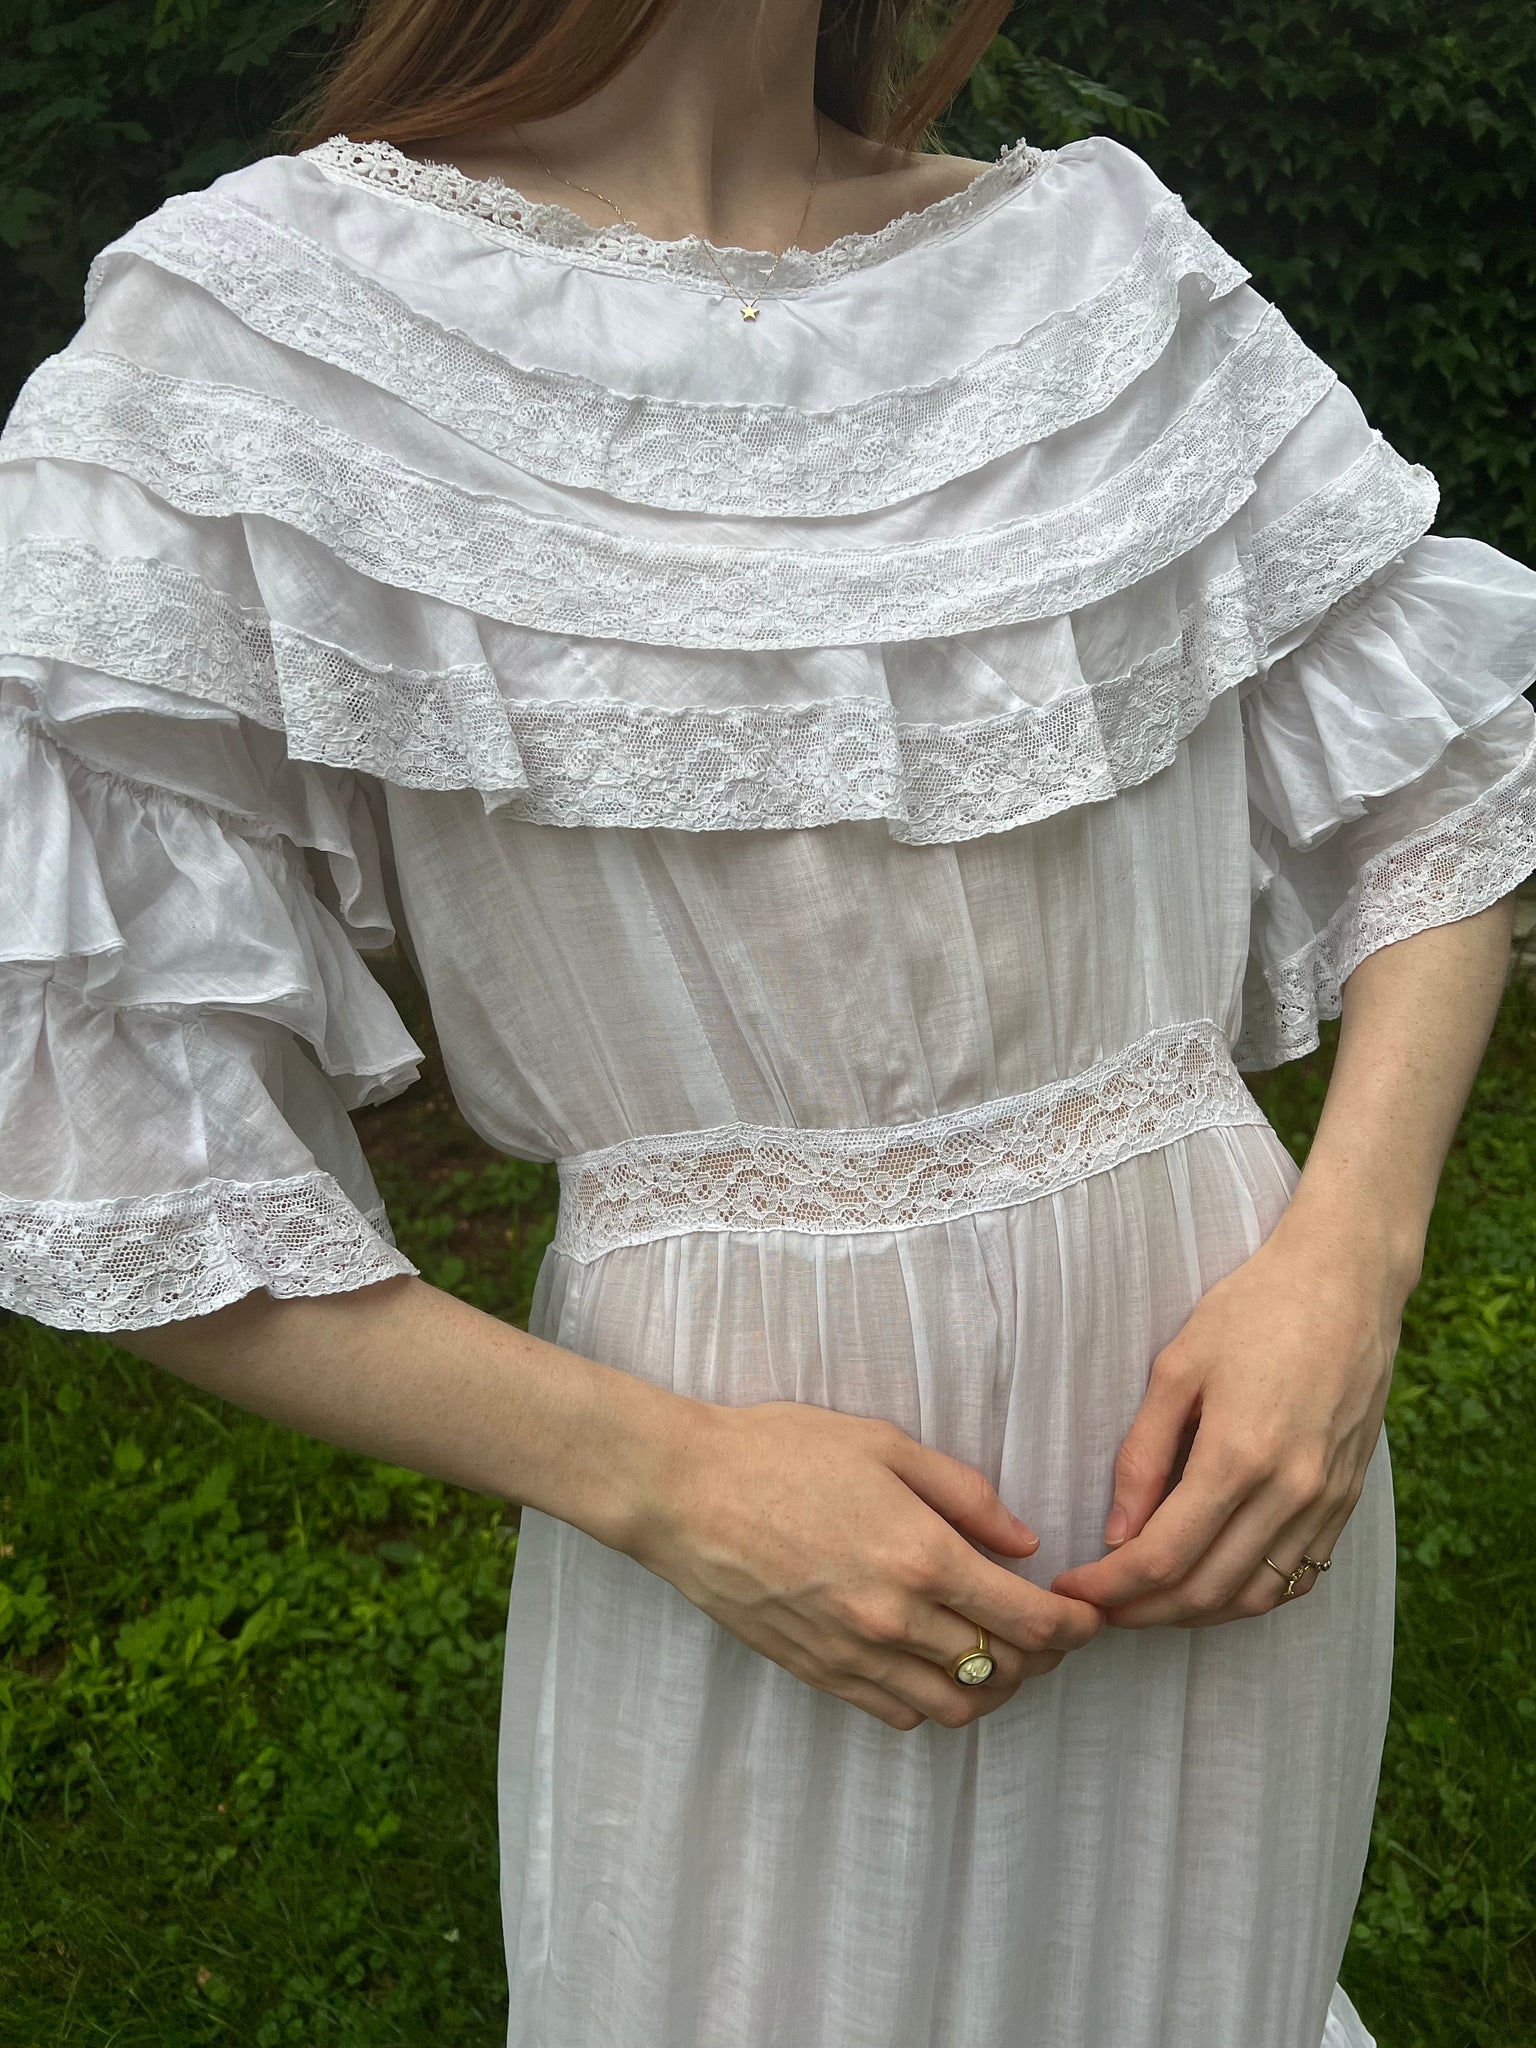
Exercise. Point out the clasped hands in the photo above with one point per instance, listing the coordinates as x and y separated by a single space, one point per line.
849 1553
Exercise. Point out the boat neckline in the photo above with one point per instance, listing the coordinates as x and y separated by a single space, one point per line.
546 227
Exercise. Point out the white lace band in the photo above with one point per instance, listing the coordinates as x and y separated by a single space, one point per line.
1177 1079
132 1262
712 767
1448 870
215 450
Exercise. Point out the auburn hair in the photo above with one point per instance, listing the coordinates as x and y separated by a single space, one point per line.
415 70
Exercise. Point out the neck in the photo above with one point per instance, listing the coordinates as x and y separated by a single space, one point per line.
711 128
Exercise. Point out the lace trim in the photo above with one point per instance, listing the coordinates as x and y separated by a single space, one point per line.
216 450
728 458
1452 869
1341 525
154 623
595 763
1175 1080
541 228
702 769
818 764
129 1263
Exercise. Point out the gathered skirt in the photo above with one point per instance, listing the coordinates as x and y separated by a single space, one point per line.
1157 1845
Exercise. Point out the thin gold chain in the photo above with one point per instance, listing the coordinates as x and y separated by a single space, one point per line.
749 307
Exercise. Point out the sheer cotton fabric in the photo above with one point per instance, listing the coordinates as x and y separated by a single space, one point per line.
856 789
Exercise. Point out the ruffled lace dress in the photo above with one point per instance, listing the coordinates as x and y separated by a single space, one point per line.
857 787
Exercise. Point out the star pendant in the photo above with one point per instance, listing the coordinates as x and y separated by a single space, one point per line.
749 312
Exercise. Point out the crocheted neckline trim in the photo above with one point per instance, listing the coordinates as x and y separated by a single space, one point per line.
544 227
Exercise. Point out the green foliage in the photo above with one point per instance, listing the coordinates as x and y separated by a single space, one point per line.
1443 1954
249 1684
106 110
248 1707
1451 1904
1373 162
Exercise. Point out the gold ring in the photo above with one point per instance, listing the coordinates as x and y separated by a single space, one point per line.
977 1665
1294 1579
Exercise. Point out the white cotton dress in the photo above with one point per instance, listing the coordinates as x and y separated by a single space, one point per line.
857 787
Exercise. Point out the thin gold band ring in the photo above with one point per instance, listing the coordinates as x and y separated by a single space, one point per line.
1294 1579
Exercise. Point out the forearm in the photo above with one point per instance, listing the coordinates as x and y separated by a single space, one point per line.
406 1373
831 1543
1416 1018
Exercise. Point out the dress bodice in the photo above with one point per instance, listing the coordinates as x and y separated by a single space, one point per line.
596 984
1014 646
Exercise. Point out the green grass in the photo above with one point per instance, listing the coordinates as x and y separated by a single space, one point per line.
248 1709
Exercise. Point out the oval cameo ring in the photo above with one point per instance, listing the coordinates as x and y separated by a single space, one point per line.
977 1665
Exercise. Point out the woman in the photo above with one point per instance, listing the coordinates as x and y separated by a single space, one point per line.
860 745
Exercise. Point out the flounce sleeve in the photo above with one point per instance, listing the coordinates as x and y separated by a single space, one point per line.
185 1019
1391 769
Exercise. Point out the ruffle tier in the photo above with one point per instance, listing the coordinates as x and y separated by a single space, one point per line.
1426 650
136 898
313 262
944 737
266 436
302 463
246 1171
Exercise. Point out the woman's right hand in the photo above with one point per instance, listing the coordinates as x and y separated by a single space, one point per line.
844 1550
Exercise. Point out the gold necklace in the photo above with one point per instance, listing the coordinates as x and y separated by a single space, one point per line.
749 307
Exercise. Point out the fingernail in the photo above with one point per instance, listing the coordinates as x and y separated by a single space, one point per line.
1026 1532
1115 1527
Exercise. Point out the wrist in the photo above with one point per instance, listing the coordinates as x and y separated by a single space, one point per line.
636 1471
1381 1245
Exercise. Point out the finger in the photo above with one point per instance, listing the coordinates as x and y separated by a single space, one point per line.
1009 1606
1228 1573
1212 1488
944 1638
941 1638
941 1698
965 1497
917 1667
1241 1574
874 1699
1265 1587
1149 1456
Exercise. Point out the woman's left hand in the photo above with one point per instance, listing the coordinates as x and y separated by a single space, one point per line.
1273 1394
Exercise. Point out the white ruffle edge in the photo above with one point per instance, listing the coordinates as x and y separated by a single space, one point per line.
473 537
136 898
1429 647
1390 780
1344 2027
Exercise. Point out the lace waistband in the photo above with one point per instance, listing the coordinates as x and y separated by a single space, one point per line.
1177 1079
